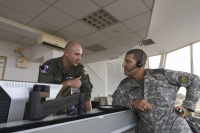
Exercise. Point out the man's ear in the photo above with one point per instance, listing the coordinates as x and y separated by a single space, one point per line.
66 52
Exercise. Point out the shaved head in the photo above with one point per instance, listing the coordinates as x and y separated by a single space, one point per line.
70 45
72 53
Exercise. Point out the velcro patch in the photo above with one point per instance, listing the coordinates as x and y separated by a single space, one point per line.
185 79
57 78
44 68
69 78
115 93
132 89
85 70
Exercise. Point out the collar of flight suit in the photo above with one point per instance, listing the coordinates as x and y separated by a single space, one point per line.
60 64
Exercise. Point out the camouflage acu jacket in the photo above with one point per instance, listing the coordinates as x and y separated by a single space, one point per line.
160 89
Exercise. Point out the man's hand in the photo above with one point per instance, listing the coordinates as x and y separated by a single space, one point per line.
75 83
184 109
141 105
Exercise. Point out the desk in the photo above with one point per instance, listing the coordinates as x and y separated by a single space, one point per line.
96 121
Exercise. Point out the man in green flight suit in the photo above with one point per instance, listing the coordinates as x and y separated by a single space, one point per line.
67 70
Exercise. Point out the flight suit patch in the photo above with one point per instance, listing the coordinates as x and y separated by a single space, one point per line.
57 78
85 70
69 78
44 68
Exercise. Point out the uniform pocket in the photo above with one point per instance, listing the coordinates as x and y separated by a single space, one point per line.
134 93
165 94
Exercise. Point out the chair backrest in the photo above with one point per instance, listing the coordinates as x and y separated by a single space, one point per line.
103 101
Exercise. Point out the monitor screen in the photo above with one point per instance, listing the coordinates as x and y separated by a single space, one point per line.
15 94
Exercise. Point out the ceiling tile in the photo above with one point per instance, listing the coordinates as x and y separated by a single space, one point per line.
49 1
76 8
13 15
107 52
43 26
131 44
116 30
10 36
110 44
103 2
56 18
102 59
97 37
84 43
114 56
143 33
120 49
65 35
7 39
129 38
24 44
94 56
28 41
79 29
86 52
124 9
86 60
28 7
149 3
139 22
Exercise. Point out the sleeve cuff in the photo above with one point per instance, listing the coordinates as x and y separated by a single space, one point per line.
189 105
131 105
88 96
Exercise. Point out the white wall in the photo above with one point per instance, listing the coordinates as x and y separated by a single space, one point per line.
41 54
57 53
38 51
97 73
13 73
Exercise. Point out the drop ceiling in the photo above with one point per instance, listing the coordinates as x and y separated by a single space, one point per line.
63 18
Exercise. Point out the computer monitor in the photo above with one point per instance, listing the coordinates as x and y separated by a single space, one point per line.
15 94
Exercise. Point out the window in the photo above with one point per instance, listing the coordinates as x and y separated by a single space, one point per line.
196 59
154 61
115 76
196 63
179 60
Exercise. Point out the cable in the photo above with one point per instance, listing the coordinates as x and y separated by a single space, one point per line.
137 75
69 113
82 108
25 111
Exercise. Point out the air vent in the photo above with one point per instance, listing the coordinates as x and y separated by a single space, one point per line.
95 48
146 42
99 20
53 46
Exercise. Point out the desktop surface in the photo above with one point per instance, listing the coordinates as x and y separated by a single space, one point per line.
51 120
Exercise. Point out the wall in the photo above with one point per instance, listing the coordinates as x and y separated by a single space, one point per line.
38 51
57 53
97 73
13 73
